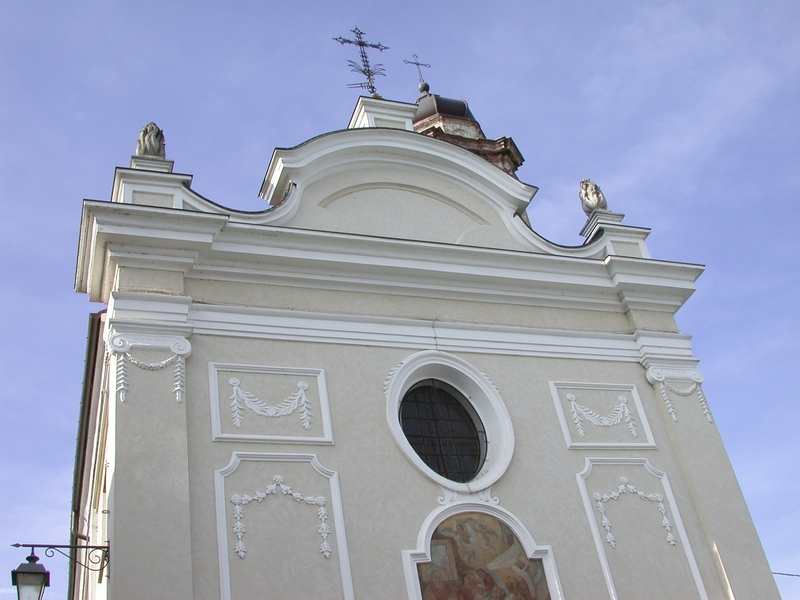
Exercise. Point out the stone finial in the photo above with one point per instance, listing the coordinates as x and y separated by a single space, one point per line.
151 142
591 197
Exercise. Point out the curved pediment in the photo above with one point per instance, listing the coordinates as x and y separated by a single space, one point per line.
400 185
396 184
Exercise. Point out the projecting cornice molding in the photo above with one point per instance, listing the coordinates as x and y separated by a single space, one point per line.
206 246
152 313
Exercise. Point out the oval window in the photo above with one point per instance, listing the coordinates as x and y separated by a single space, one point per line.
444 430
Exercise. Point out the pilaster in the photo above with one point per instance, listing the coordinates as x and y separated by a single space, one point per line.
726 522
147 336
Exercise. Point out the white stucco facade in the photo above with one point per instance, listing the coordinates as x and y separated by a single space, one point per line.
238 348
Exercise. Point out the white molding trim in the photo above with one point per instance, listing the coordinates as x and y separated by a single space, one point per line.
317 375
556 276
395 332
658 376
599 542
481 393
411 558
642 424
223 504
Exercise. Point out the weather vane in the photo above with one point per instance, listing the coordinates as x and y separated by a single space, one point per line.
423 87
366 69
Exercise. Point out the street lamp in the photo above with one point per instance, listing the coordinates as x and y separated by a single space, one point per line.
30 579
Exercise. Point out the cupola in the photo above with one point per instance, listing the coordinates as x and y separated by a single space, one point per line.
452 121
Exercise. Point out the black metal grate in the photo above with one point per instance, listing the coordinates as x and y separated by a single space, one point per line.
441 430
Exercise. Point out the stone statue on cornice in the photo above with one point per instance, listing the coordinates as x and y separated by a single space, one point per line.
151 142
591 197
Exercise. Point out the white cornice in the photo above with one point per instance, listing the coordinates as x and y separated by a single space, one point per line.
436 335
180 315
160 229
209 246
372 148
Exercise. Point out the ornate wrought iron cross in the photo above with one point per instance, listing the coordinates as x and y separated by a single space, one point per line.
366 69
418 64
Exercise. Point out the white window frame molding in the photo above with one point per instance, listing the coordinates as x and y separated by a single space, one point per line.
648 441
323 410
412 558
477 389
598 537
223 508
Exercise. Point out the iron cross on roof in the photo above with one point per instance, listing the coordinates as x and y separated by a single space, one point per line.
418 64
423 87
366 69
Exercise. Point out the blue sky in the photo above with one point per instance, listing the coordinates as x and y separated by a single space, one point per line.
685 113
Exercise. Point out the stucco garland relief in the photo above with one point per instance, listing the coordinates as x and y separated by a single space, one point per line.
658 377
323 511
617 416
296 401
240 500
122 343
601 415
625 487
669 564
387 383
237 391
449 496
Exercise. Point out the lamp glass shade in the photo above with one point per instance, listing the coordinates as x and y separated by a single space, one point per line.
30 586
30 579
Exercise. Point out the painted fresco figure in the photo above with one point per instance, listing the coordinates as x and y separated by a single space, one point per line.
488 561
510 566
439 589
473 588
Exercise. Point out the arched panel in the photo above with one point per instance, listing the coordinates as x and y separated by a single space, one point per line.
475 550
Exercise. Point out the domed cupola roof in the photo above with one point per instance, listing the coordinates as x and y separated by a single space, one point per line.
452 121
431 104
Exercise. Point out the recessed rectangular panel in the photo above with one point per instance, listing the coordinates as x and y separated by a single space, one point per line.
601 415
638 531
269 404
280 529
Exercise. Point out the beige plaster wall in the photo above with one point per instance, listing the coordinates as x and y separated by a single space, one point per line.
164 513
163 490
385 498
132 279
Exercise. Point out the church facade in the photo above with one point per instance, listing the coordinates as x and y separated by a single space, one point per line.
387 385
